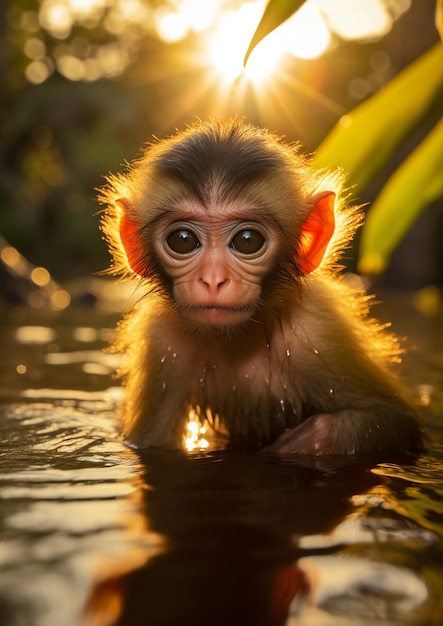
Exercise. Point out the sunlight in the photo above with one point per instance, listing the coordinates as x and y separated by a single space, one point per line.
187 15
85 8
56 17
224 29
170 26
194 438
306 35
199 14
228 45
365 19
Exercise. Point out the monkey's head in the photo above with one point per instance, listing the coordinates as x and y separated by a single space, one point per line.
214 217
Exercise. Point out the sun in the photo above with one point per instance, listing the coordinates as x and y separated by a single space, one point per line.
228 43
305 36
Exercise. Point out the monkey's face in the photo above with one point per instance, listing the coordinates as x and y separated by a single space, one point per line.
217 260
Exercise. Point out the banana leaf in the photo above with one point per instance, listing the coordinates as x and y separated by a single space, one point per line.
363 141
416 183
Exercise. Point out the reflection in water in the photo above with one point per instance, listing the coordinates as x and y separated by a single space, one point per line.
235 552
229 556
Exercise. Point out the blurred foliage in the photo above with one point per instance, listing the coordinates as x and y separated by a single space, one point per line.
59 140
80 97
364 140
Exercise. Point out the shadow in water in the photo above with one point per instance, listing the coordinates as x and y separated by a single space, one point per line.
231 524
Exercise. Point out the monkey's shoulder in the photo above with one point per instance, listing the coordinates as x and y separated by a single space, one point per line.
336 314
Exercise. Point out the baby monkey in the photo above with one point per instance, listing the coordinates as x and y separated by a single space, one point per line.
246 319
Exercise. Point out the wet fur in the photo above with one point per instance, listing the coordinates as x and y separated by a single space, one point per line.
311 349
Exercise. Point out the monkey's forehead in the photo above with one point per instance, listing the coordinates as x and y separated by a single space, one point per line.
215 211
273 202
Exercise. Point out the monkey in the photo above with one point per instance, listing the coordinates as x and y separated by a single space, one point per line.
236 239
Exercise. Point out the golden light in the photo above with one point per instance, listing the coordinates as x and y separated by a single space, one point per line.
224 28
40 276
365 19
56 17
187 15
228 44
169 25
199 14
194 439
306 35
60 300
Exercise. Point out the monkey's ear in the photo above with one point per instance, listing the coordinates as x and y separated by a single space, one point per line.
316 232
129 235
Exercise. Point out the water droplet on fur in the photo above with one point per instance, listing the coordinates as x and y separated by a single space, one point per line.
316 351
288 353
246 375
331 392
282 405
234 388
163 359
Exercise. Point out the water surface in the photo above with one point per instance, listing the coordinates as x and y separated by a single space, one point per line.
93 533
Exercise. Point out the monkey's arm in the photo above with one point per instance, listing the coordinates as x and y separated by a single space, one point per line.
362 432
352 402
357 409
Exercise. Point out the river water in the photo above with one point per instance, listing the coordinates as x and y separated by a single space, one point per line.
92 533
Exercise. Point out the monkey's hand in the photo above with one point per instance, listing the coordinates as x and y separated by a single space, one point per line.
353 432
317 435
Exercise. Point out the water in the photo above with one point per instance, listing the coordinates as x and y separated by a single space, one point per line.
92 533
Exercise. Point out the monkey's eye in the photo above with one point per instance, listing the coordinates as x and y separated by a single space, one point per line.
248 241
183 241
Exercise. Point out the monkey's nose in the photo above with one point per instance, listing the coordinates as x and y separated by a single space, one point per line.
213 284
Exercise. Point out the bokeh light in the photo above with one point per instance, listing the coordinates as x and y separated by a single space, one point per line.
225 29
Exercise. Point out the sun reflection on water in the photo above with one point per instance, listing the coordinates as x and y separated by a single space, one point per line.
195 437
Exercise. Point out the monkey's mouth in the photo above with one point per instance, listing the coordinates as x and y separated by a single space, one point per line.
220 314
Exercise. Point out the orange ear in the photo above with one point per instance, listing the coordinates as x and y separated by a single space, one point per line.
129 235
316 233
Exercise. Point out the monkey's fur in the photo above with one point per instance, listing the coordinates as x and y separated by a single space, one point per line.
308 372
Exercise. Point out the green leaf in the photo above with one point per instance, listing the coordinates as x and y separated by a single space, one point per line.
276 12
364 140
416 183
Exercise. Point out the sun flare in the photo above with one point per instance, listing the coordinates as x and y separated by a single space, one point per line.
305 36
195 438
223 30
